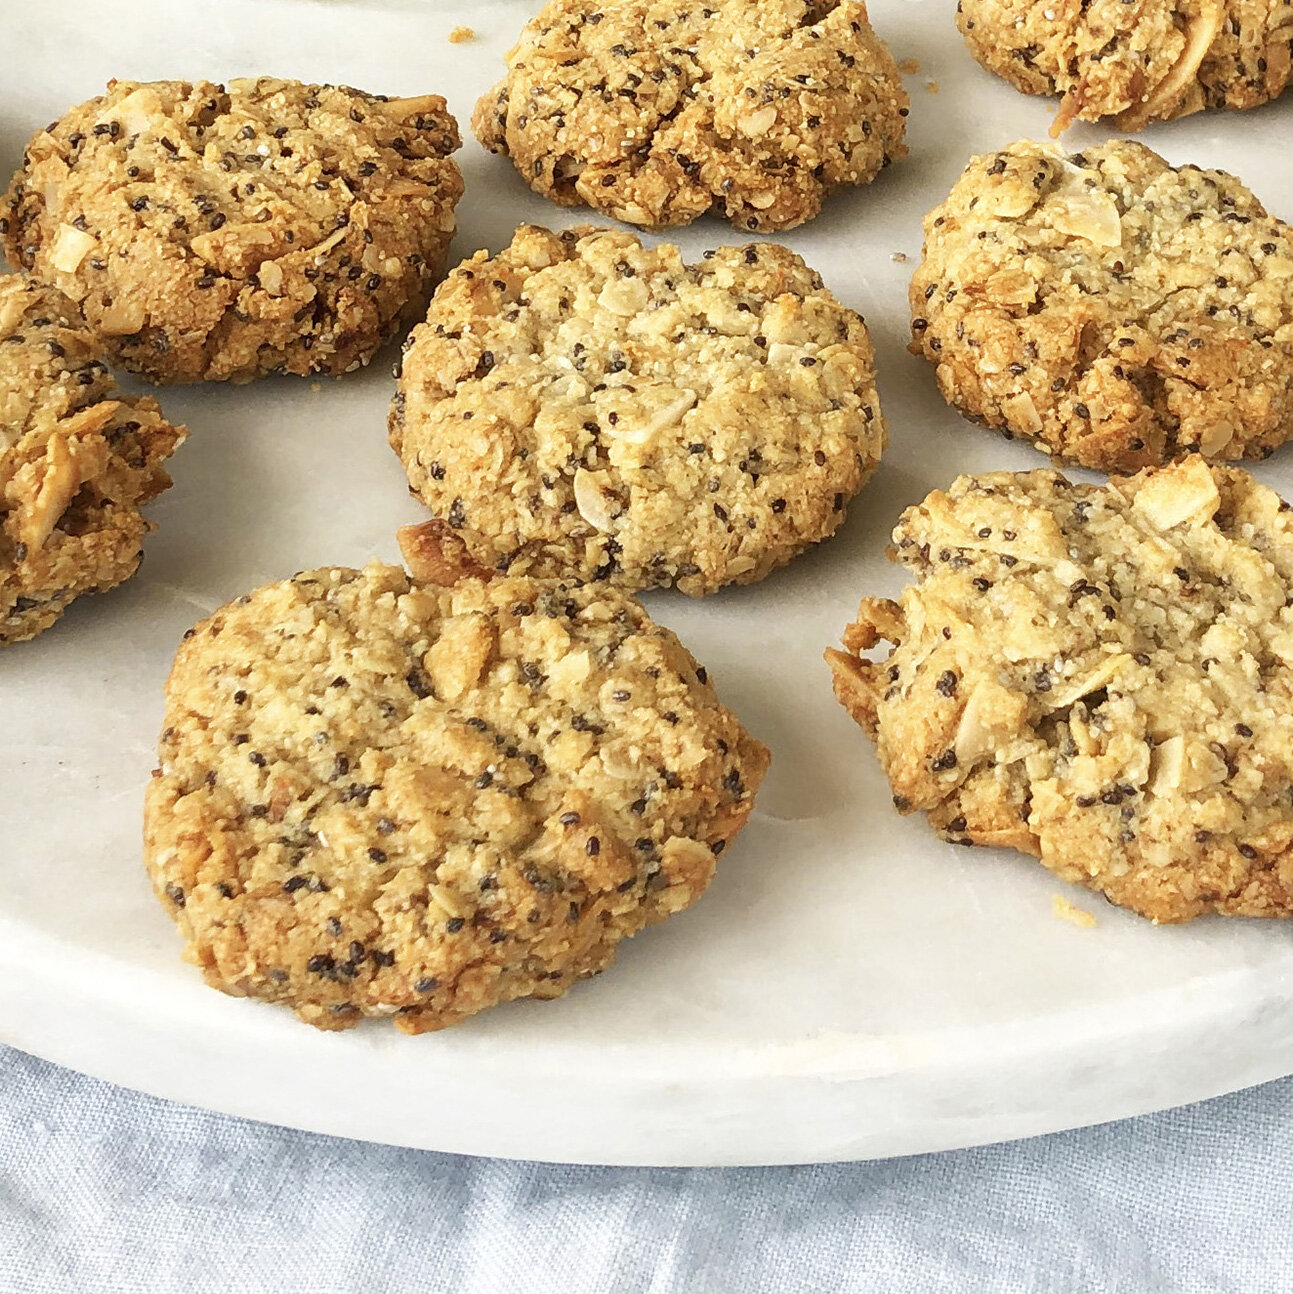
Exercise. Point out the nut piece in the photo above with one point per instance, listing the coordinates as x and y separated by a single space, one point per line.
1092 216
596 504
1183 492
71 247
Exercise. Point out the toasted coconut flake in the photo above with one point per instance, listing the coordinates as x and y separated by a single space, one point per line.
71 247
1166 96
434 554
596 504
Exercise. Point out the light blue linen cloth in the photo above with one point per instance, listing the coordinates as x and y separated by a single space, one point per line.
106 1190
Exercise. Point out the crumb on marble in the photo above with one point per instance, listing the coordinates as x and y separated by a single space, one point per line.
461 35
1066 911
931 86
899 257
909 66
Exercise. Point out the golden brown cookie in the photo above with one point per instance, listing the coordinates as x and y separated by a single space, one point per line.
1101 676
658 113
77 459
212 232
1116 311
1135 61
583 405
421 797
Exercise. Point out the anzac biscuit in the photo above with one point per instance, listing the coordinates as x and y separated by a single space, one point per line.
658 113
583 405
1135 61
421 797
212 232
1100 676
1117 311
77 459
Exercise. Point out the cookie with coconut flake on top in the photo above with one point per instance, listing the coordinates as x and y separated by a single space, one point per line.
211 232
422 796
1135 61
1100 676
658 113
77 460
1116 311
583 405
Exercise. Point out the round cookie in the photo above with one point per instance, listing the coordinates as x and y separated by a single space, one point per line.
77 459
418 798
211 232
1135 61
657 114
583 405
1115 310
1101 676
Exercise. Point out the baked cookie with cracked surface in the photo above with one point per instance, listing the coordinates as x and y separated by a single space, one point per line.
211 232
1135 61
418 797
1116 311
658 113
583 405
1100 676
77 460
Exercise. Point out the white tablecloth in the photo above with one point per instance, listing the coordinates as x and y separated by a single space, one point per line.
106 1190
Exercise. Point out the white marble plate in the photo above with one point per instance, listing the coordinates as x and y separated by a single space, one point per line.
850 986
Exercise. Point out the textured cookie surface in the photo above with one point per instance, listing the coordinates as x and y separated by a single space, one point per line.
583 405
212 232
385 797
1115 310
657 113
1100 676
1136 61
77 459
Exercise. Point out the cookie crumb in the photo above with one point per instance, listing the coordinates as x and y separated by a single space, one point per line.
461 35
1076 916
909 66
898 257
931 87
